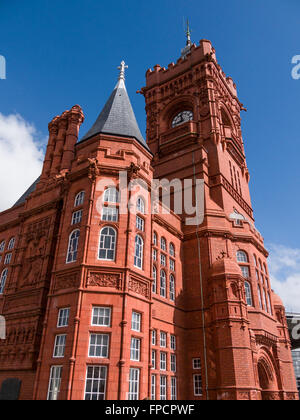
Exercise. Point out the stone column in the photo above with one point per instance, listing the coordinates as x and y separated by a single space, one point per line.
75 119
53 130
61 136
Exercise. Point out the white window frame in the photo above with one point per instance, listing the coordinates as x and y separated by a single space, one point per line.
136 321
242 257
140 205
172 285
153 359
140 224
163 388
173 342
196 385
59 346
11 244
72 253
163 260
79 199
54 383
99 380
172 265
111 195
134 384
153 387
163 339
154 276
163 284
139 252
173 362
105 316
135 349
154 337
104 348
197 363
163 361
163 244
108 236
3 280
7 259
2 246
63 318
76 217
172 250
110 214
154 239
248 294
173 388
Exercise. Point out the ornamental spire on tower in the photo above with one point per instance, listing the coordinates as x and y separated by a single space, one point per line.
122 69
187 48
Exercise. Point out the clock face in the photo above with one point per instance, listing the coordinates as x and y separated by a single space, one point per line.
182 118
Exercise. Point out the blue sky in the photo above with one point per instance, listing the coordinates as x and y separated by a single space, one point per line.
64 53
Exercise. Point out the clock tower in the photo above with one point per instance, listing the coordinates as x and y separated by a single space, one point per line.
194 132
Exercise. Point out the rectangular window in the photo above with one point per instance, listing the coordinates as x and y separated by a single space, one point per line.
173 362
76 217
163 387
154 333
59 346
135 349
153 359
99 345
101 317
197 385
163 361
173 342
136 322
172 265
95 383
110 214
54 383
173 388
7 258
63 318
154 255
196 364
245 271
153 387
163 339
140 223
163 260
134 384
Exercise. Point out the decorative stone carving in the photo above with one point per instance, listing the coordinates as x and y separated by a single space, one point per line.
104 280
139 287
68 281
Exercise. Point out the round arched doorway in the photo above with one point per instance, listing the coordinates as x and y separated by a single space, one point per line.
267 381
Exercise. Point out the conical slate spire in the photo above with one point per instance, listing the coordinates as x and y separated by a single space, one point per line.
117 116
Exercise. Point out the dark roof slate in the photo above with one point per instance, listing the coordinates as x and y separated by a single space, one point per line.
23 198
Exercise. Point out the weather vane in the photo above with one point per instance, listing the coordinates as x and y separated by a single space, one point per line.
122 68
188 33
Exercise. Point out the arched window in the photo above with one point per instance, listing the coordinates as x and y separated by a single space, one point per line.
11 244
172 250
154 275
3 279
73 246
140 205
266 301
79 199
155 239
107 247
270 304
260 298
2 246
163 281
111 195
163 244
138 252
248 292
242 257
172 288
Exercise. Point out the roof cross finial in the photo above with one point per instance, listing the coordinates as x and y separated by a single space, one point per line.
188 33
122 68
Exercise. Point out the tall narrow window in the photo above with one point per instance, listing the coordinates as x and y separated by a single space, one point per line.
59 346
135 349
76 217
162 283
99 344
163 361
154 283
111 195
154 239
163 339
163 260
173 342
139 251
73 246
79 199
173 362
248 292
136 321
7 259
153 387
153 359
198 385
107 247
3 279
54 383
172 250
163 244
140 224
2 246
172 288
266 301
172 265
163 387
260 298
173 388
11 244
140 205
154 335
134 384
245 271
63 317
95 383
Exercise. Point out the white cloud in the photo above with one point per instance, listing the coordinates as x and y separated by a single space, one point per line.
21 158
284 265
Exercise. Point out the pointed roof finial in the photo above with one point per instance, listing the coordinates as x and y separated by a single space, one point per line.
122 68
188 33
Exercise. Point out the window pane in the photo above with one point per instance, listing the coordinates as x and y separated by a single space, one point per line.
95 383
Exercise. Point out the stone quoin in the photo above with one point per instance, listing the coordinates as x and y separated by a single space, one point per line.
106 305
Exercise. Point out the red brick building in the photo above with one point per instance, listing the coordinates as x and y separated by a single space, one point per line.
106 304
